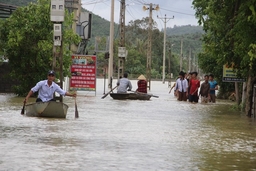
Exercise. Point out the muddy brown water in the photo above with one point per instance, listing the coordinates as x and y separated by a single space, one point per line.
160 134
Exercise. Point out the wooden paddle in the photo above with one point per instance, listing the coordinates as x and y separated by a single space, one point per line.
109 92
76 111
145 94
23 109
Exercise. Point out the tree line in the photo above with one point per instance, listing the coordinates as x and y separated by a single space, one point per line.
229 39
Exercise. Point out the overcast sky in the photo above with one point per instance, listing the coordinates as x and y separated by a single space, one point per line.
182 10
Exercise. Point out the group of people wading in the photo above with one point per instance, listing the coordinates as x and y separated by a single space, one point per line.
187 87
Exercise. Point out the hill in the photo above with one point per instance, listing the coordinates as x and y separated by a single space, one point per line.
181 30
17 2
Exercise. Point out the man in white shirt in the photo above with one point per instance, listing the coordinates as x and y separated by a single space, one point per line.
182 87
46 89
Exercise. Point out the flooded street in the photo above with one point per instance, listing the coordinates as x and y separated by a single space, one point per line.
160 134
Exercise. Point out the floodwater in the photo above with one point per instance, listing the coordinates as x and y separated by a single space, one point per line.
160 134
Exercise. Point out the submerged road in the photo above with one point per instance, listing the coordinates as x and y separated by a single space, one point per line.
158 135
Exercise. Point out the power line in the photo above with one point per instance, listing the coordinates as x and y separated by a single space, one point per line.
94 2
130 14
177 12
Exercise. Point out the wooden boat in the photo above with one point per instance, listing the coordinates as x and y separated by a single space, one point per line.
49 109
130 96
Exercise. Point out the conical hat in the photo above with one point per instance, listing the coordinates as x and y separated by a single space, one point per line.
141 77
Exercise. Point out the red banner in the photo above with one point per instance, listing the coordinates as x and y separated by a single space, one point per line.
83 73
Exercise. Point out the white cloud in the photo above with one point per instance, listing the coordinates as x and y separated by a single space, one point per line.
182 10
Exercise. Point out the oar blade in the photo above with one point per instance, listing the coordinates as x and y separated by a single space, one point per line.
76 111
108 92
23 110
104 96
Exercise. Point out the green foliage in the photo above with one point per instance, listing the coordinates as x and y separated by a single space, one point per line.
230 36
27 37
136 36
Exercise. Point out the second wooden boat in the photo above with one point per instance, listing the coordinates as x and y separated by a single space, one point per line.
130 96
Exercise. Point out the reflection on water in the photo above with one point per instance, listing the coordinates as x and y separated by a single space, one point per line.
160 134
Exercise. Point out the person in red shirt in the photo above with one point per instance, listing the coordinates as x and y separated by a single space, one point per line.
142 84
194 85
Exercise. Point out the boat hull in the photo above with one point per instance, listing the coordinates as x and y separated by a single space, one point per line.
130 96
49 109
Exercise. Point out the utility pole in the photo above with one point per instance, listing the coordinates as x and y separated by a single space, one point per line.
165 20
121 49
150 25
194 63
189 60
181 54
169 59
111 46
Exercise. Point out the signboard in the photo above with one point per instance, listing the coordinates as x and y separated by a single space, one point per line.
83 73
121 52
229 75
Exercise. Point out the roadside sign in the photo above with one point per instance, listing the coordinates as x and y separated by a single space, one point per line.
229 75
122 52
83 73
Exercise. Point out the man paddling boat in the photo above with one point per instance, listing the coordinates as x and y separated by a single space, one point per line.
123 84
46 89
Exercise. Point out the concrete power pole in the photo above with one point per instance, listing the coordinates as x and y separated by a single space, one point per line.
189 60
111 45
149 56
121 49
181 54
165 20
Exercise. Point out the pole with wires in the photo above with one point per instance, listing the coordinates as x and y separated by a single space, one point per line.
111 46
121 48
165 20
149 53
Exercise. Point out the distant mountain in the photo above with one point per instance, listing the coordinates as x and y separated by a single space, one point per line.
17 2
181 30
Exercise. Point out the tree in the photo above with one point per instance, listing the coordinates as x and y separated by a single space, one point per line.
229 38
27 38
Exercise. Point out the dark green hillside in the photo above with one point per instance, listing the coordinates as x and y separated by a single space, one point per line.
17 2
180 30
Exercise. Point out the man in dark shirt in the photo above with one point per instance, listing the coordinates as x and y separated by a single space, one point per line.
205 90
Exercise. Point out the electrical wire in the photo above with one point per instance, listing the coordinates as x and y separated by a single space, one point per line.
177 12
129 12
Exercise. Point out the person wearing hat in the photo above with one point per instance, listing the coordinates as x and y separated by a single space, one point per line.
46 89
182 87
123 84
142 84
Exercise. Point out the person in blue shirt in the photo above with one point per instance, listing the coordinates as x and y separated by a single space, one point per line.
123 84
213 87
46 89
